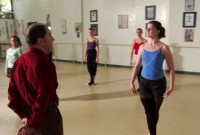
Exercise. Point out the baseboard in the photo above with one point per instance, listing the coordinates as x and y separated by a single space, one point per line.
185 72
119 66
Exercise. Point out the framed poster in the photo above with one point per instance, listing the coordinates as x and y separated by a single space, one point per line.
29 23
123 21
3 30
63 26
150 12
78 27
189 19
95 29
146 25
20 27
189 35
189 5
48 21
93 16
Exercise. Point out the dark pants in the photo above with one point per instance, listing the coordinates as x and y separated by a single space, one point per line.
139 74
52 124
49 55
151 92
9 71
91 63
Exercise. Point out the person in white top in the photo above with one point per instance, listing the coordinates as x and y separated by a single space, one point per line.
12 54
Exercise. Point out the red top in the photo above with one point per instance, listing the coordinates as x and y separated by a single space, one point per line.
136 47
33 83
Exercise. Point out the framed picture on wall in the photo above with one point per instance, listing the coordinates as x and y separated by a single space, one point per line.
11 28
48 20
189 19
93 16
29 23
189 35
63 26
3 30
123 21
189 5
150 12
78 27
20 27
146 29
95 29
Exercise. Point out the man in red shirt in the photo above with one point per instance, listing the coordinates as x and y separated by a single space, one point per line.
33 84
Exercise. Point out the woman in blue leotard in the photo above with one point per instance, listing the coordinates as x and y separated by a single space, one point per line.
152 80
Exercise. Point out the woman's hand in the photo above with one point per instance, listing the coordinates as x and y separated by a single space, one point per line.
97 60
84 60
167 93
131 63
134 90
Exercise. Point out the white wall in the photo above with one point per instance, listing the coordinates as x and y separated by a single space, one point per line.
176 23
186 58
108 11
37 10
6 30
115 43
186 54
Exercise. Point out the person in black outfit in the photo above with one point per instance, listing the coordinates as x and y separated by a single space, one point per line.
92 55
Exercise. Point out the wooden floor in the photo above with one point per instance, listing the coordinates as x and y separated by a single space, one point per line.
109 108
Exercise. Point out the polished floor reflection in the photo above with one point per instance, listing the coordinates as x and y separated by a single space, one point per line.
109 108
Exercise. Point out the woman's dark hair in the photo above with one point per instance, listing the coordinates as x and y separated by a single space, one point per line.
34 32
90 29
139 29
18 40
158 26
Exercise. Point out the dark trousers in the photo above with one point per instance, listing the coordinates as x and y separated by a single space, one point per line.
139 74
151 92
49 55
9 71
91 63
52 124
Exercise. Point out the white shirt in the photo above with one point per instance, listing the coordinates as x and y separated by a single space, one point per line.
11 57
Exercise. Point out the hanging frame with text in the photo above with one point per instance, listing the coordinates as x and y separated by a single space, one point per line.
189 5
189 19
93 16
150 12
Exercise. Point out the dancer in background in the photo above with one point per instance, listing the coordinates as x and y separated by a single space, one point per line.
134 50
136 44
12 54
152 80
92 55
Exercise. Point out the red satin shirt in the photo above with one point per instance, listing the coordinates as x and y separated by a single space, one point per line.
33 83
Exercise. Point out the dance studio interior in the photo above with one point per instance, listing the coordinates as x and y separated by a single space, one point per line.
109 107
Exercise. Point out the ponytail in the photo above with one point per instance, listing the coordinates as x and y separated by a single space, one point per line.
162 33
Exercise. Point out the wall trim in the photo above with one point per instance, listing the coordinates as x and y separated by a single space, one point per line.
185 72
99 64
124 66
